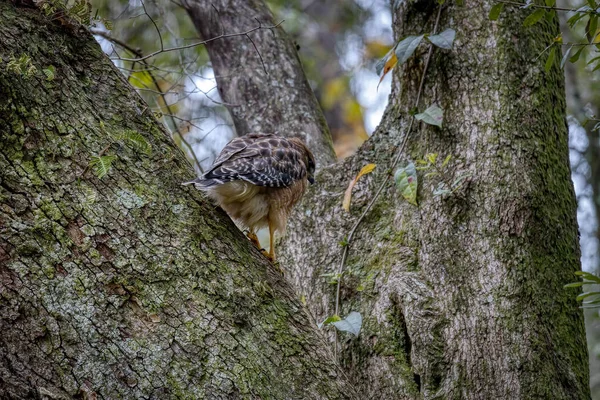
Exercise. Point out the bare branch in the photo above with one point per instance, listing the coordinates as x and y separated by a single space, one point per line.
245 33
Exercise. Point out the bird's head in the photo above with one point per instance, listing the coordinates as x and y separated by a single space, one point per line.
309 159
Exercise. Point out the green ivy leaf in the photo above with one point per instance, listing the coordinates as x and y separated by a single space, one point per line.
550 59
495 11
432 116
443 40
352 323
406 181
102 165
407 47
534 17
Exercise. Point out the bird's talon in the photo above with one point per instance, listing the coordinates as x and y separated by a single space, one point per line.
253 238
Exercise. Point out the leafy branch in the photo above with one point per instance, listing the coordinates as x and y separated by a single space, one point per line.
593 297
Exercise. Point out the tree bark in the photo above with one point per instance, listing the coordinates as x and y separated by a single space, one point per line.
128 286
462 296
259 75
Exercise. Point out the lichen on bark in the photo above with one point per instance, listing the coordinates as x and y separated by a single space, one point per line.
129 286
463 295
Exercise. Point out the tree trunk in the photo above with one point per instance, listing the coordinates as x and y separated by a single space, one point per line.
128 286
462 296
259 75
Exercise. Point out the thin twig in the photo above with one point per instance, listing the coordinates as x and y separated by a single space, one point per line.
187 46
162 47
384 183
259 55
155 82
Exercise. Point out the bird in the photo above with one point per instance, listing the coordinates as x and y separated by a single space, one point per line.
257 179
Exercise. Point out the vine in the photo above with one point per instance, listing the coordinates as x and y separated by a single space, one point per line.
400 53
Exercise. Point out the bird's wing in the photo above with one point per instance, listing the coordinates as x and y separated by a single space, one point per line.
263 160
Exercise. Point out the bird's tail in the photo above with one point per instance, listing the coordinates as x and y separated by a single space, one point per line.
203 183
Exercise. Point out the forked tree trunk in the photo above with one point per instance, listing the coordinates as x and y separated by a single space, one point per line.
128 286
462 296
260 77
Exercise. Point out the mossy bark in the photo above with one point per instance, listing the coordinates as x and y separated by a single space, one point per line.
259 75
462 297
128 286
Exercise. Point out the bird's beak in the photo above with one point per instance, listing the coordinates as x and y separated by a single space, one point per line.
311 180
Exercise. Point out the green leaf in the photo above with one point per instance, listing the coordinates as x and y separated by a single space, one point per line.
352 323
586 295
441 190
49 72
443 40
446 160
591 28
597 301
406 181
550 15
495 11
550 60
550 3
575 56
102 165
574 19
329 320
588 276
431 157
565 57
534 17
573 285
137 140
432 116
407 47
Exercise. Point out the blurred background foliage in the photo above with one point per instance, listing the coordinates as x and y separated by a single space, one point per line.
339 43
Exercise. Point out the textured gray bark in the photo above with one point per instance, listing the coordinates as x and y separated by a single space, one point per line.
129 286
264 86
462 296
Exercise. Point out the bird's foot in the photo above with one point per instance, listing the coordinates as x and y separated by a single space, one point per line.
253 238
266 254
271 257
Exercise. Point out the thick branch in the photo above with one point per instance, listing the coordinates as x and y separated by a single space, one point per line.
128 286
260 74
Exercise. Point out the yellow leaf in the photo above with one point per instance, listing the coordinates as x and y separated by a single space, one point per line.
348 195
387 67
596 38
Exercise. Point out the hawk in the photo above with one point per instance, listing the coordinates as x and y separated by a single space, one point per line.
257 179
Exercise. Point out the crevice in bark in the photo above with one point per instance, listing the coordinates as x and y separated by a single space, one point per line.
129 286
